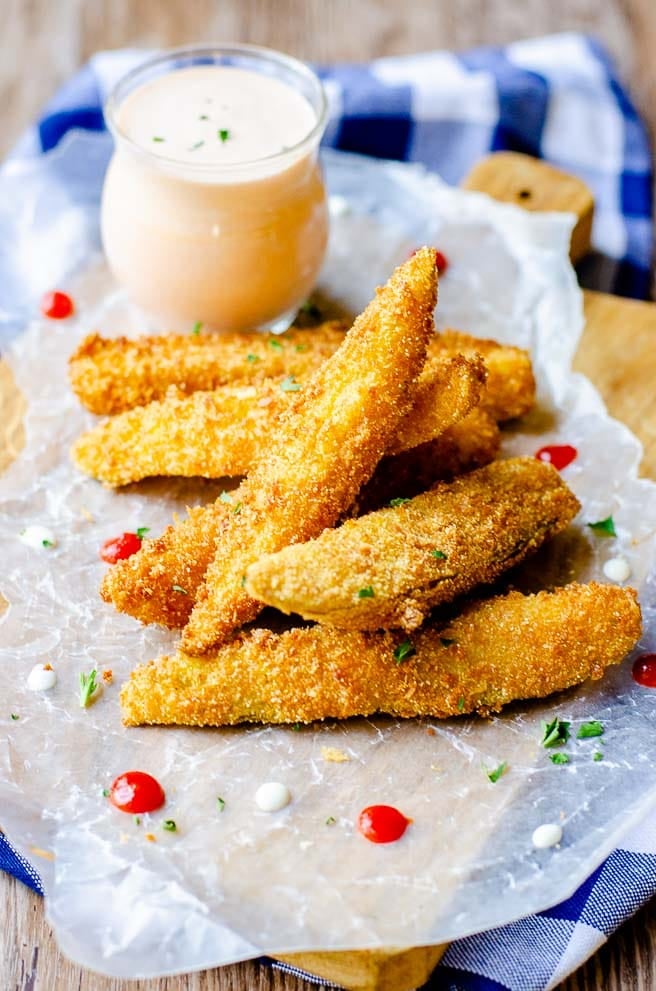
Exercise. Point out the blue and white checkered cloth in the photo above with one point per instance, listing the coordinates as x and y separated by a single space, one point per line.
556 98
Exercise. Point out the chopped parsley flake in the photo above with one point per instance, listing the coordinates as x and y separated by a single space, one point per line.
223 134
440 555
296 727
289 384
597 755
301 347
588 730
88 686
237 510
194 147
203 117
275 344
169 825
220 803
366 593
14 716
403 650
105 792
461 704
311 310
142 531
496 773
225 497
446 642
48 543
180 589
243 581
196 329
137 820
158 139
330 821
559 758
555 733
605 528
398 501
252 358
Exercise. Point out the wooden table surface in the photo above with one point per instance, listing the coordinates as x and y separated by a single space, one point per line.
42 43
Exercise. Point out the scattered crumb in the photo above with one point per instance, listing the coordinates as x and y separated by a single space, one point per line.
45 854
48 667
436 767
108 676
124 838
334 755
151 837
430 731
84 512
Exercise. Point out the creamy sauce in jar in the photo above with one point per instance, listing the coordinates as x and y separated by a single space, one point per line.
214 207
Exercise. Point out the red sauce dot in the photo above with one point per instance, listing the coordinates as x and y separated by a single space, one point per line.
441 261
382 823
558 455
56 305
644 670
118 548
136 791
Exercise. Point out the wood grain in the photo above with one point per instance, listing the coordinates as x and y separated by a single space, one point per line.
43 42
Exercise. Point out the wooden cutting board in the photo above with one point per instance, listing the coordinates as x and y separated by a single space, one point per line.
617 352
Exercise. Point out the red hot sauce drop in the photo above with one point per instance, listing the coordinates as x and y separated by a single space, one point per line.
382 823
644 670
558 455
118 548
56 305
135 792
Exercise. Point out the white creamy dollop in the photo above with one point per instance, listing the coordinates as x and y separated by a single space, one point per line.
41 678
617 569
547 835
38 537
272 796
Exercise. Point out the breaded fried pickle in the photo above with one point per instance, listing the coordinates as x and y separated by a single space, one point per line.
326 446
505 648
110 375
221 433
510 389
389 568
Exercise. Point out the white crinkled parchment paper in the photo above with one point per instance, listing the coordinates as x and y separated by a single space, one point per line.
236 883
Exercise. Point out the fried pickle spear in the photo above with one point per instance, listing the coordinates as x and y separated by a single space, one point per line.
110 375
506 648
390 568
222 433
326 446
334 432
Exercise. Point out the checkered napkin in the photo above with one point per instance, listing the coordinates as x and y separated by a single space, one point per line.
556 98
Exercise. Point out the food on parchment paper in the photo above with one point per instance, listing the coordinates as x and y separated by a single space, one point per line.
506 648
388 569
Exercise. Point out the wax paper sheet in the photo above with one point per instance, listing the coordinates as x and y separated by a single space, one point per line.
236 883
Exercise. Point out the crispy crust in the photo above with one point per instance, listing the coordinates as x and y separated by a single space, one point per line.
327 445
223 432
110 375
506 648
380 571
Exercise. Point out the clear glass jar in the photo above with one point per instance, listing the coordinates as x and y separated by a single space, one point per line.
234 246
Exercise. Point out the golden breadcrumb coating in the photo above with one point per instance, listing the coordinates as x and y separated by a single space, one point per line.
506 648
222 433
510 389
471 443
110 375
327 445
390 568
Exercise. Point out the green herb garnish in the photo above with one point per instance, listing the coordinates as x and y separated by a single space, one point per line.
403 650
237 510
597 755
194 147
330 821
555 734
398 501
105 792
275 344
196 329
48 543
169 825
225 497
296 727
311 309
137 820
301 347
220 803
559 758
440 555
243 581
366 593
88 686
223 134
446 642
14 716
142 531
203 117
180 589
496 773
289 384
588 730
252 358
605 528
461 704
158 139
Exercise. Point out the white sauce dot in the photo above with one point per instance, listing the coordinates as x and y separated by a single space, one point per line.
546 835
38 537
617 569
338 206
41 678
272 796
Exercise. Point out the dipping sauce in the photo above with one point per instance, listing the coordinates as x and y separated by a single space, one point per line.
214 208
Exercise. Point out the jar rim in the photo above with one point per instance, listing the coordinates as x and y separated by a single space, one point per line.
130 81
